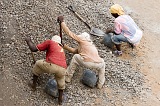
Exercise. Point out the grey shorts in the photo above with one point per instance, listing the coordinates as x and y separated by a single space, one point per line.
118 39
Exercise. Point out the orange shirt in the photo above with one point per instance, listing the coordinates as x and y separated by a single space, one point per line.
86 48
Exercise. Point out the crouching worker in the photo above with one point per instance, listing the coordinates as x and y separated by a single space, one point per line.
125 29
86 54
55 62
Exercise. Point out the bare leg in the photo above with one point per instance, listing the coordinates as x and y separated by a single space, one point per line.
118 51
118 47
34 83
60 98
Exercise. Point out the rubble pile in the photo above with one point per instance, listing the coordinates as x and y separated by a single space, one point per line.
38 19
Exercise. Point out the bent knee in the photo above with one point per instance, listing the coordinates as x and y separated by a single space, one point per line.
39 62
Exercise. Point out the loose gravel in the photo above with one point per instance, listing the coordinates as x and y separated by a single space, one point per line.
38 19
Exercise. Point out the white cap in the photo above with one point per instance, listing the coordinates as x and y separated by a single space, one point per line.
57 39
85 36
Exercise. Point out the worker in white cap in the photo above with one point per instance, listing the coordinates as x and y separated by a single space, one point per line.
85 55
55 62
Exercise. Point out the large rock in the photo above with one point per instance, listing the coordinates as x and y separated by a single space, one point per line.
51 88
89 78
107 41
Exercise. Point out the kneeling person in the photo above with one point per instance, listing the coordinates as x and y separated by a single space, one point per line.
125 29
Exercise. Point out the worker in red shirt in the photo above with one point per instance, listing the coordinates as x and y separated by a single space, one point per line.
55 62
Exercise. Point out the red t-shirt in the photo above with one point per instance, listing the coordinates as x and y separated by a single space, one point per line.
54 53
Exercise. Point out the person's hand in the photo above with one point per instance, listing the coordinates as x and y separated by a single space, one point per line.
62 44
60 19
27 39
109 30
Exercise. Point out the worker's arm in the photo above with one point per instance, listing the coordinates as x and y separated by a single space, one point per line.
116 30
70 49
67 30
110 30
31 45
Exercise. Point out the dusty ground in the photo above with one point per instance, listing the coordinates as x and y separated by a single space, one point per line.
131 80
145 12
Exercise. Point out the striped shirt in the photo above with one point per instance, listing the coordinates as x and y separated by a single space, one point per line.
125 25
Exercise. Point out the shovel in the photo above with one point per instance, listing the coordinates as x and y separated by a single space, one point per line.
94 31
72 9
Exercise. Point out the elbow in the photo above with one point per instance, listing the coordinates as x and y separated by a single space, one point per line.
33 49
75 51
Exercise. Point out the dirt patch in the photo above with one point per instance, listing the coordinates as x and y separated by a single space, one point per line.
148 52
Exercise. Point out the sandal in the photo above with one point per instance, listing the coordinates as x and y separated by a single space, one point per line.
117 52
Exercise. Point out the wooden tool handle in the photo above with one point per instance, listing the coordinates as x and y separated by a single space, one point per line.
60 32
82 20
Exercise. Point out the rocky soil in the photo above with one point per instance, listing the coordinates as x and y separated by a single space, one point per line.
37 18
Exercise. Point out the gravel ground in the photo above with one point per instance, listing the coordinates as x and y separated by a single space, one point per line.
37 18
